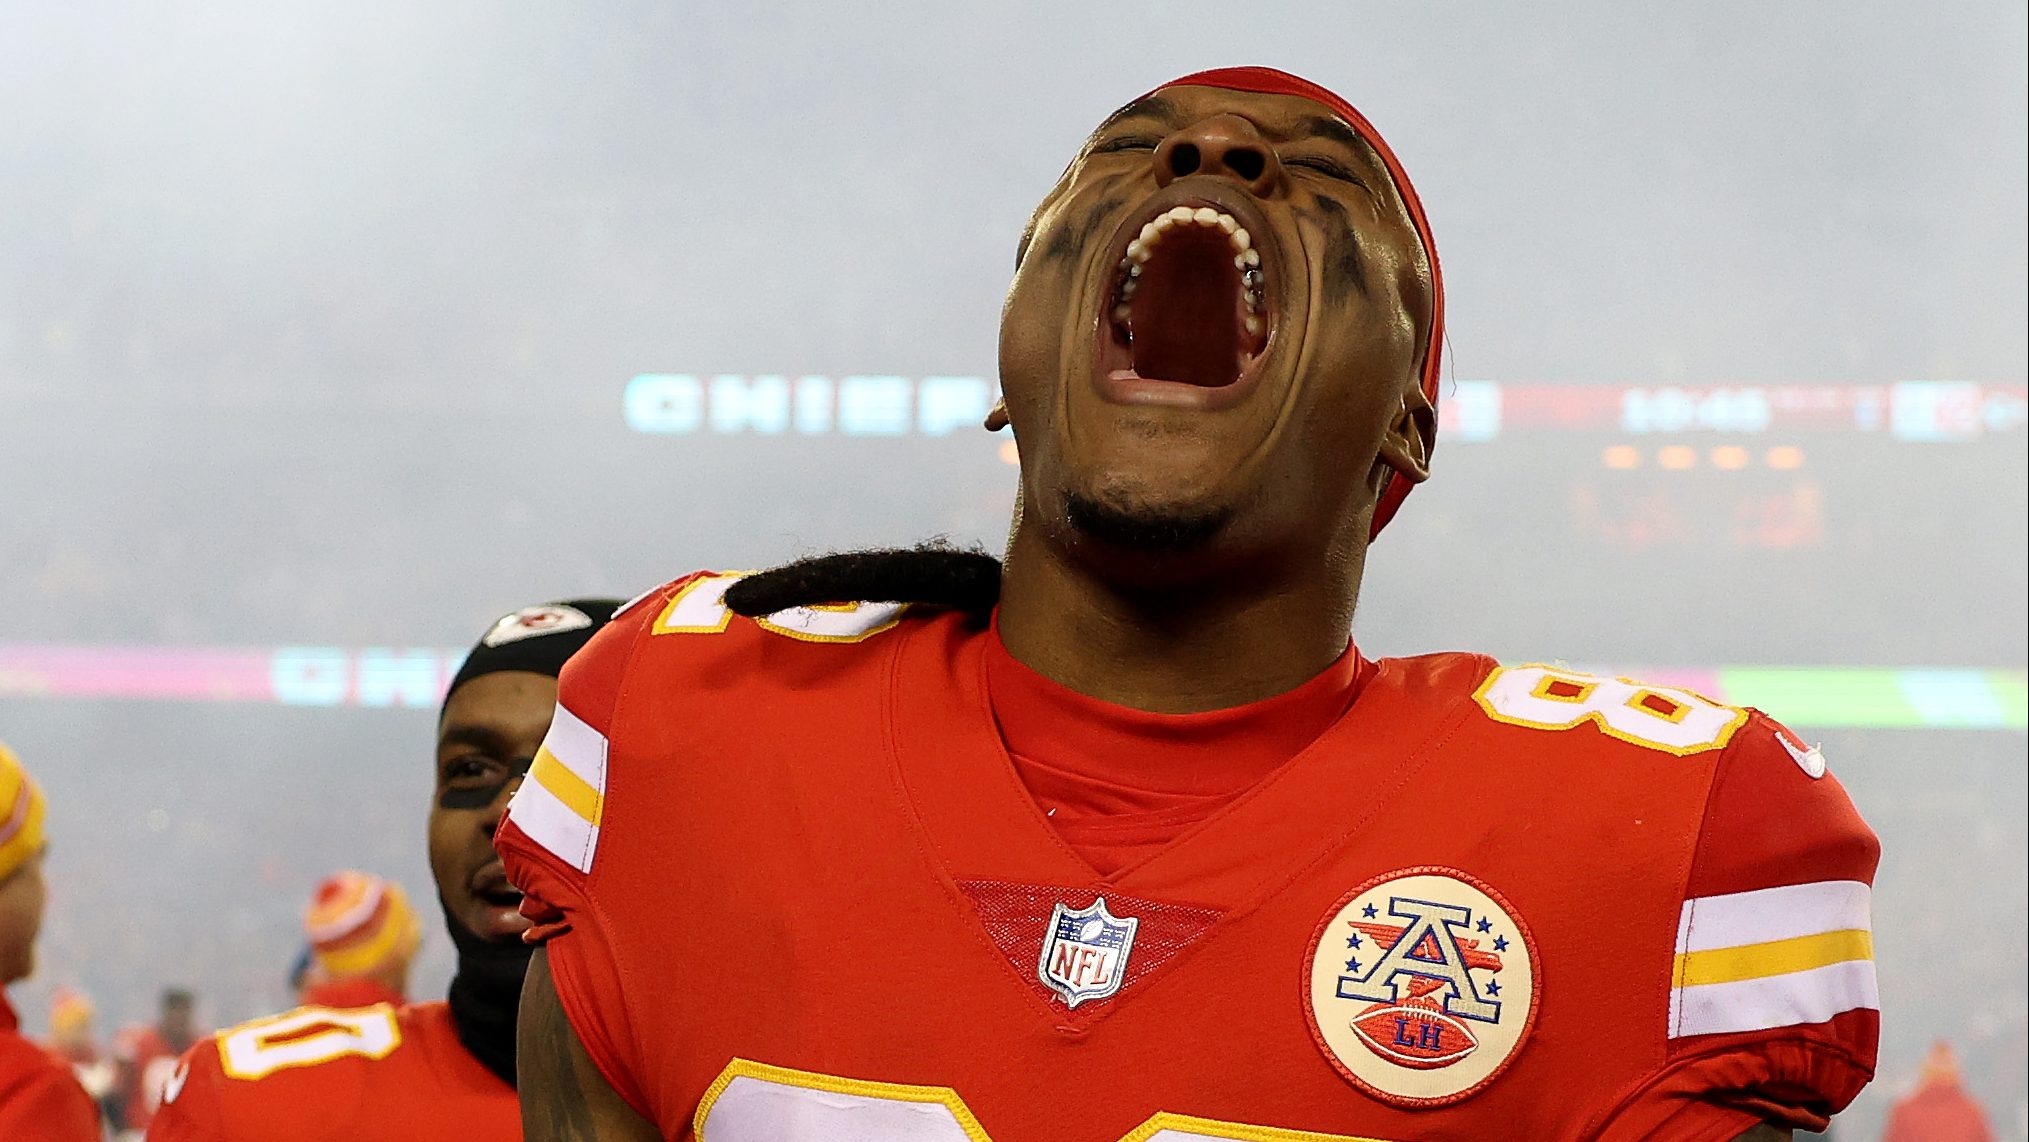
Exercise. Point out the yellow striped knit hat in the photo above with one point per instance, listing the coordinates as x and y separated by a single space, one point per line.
21 813
70 1012
359 923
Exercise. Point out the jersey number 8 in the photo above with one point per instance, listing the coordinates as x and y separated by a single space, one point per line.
755 1100
1666 718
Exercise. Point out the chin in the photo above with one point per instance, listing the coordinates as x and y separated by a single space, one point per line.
1145 524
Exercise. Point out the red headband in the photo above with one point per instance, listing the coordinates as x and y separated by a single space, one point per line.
1269 81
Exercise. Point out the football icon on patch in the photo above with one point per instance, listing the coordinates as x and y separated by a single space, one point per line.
1424 1038
1421 986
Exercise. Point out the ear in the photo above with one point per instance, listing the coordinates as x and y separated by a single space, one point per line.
1411 436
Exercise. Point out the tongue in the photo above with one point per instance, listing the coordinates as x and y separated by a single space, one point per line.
1185 314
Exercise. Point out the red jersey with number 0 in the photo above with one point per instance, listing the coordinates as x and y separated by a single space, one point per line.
325 1074
792 889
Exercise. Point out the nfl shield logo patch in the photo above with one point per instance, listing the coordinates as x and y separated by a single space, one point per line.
1085 952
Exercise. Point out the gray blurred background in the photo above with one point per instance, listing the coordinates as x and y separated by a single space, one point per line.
316 321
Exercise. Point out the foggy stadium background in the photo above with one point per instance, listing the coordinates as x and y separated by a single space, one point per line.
318 323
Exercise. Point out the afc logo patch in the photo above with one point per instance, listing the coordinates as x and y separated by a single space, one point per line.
1421 986
1085 952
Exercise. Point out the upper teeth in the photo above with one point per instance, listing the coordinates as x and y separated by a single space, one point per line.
1246 258
1153 230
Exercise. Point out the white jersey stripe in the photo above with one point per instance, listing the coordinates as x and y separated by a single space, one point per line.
580 748
1771 914
1773 1001
553 825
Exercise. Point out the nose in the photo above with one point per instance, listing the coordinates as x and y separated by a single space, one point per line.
1223 145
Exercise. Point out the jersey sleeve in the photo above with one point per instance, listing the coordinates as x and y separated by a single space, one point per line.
192 1107
1773 1011
549 842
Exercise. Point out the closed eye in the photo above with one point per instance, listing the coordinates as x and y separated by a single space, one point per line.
1126 143
1328 168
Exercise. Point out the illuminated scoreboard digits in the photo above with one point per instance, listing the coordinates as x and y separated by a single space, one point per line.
1743 410
1918 411
730 404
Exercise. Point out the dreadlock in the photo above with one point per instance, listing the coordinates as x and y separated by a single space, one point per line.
933 574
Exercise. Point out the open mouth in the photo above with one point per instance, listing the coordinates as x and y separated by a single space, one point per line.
502 897
1189 304
491 885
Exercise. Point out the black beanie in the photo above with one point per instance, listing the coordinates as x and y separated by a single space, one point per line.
536 639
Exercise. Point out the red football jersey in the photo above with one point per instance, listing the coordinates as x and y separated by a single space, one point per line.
39 1096
367 1074
147 1059
792 890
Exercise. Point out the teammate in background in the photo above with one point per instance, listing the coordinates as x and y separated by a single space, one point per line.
424 1071
364 935
72 1041
147 1057
1131 843
39 1096
1939 1109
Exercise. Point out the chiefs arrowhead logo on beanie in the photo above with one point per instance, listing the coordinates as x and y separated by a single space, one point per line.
537 639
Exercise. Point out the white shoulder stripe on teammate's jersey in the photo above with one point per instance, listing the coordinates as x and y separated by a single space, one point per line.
1793 1000
1773 914
1775 957
561 803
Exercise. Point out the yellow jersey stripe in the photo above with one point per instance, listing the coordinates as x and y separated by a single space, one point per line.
1775 957
573 791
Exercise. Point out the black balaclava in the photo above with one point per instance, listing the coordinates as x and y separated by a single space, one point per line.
486 991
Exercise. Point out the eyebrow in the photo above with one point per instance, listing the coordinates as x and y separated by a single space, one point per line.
1328 128
478 737
1153 106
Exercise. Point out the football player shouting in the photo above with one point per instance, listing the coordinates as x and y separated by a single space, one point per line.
1129 842
422 1071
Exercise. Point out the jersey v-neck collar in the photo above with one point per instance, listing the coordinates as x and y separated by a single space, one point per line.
1209 754
981 823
